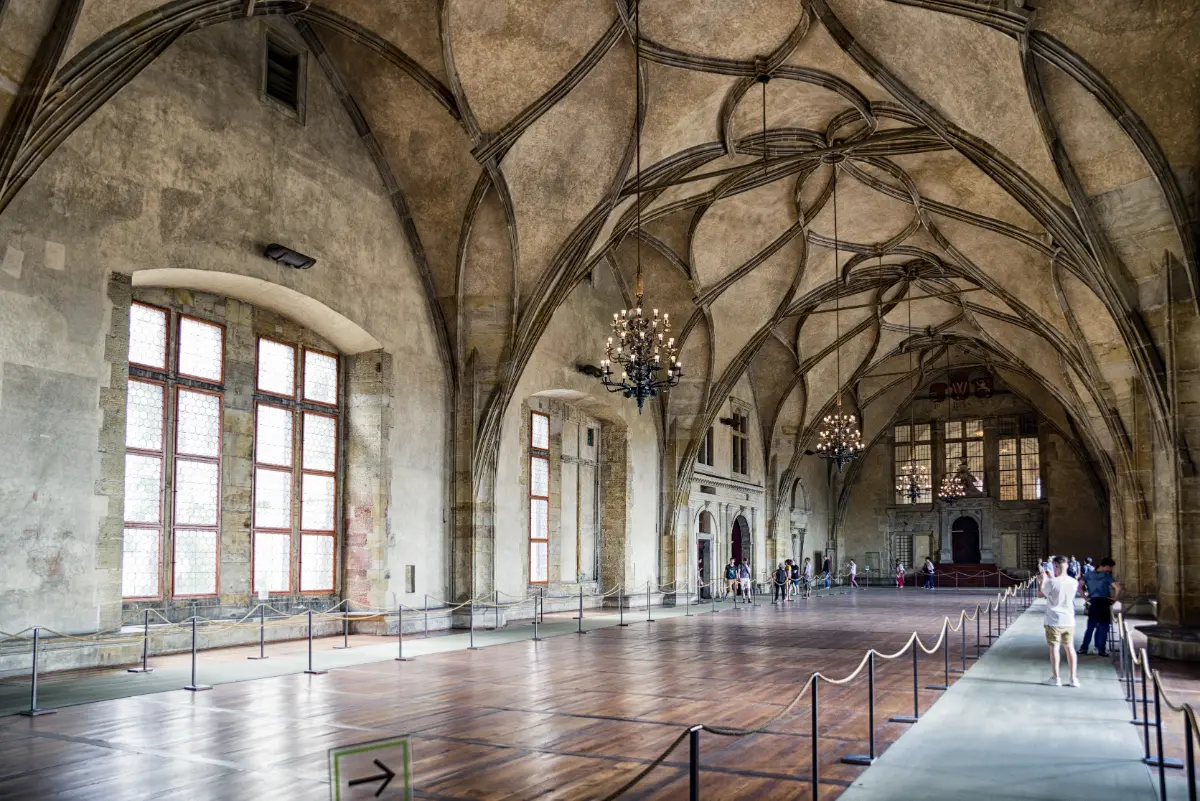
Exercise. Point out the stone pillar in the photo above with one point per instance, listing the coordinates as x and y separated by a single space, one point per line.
615 470
368 477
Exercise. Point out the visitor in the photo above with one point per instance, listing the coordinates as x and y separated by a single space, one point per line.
744 581
827 568
899 575
780 583
1073 567
928 573
730 579
807 578
1088 567
853 568
1059 619
1101 589
795 580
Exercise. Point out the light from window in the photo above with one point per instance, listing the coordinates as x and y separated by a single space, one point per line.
199 423
1031 473
195 562
913 442
272 498
276 368
539 498
706 449
964 439
201 350
147 336
320 377
272 561
320 440
318 498
316 562
741 441
1020 465
273 436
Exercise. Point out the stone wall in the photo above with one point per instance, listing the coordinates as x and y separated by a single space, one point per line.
187 169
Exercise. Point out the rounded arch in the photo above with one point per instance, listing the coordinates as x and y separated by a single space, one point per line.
346 335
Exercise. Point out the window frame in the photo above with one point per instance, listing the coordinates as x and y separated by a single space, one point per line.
255 466
161 454
707 454
179 343
301 531
962 441
302 367
1015 432
166 368
258 390
176 458
740 461
898 499
537 452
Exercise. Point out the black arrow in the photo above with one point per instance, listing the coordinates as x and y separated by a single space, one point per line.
387 777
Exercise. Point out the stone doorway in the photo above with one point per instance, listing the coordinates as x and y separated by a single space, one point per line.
704 567
964 541
741 540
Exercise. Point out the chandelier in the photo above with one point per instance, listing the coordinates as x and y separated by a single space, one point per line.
839 439
953 486
640 345
913 478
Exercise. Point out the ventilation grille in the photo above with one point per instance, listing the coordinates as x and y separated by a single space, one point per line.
283 75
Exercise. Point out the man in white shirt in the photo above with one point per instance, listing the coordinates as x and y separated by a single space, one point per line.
1059 620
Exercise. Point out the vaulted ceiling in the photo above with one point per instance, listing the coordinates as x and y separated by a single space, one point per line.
1010 172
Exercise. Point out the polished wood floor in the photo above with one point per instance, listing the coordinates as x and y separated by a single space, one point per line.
567 718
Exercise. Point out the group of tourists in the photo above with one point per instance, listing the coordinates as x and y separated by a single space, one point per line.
1059 586
927 570
738 583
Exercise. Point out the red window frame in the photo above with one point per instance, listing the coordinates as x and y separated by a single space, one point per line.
536 452
256 465
161 455
296 375
304 367
332 532
166 365
179 344
177 457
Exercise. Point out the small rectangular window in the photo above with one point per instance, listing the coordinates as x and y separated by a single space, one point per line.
276 368
591 437
539 498
706 448
201 350
283 75
148 336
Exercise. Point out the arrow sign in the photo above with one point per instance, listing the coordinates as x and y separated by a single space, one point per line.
386 776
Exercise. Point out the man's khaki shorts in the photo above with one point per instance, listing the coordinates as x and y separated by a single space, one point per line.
1057 634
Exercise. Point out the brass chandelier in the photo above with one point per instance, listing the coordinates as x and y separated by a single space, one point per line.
839 440
640 345
913 478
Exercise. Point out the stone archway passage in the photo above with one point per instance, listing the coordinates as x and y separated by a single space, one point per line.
964 541
741 539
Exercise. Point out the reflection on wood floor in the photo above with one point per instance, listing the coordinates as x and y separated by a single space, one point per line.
567 718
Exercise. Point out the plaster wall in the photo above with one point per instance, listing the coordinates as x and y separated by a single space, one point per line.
187 168
576 335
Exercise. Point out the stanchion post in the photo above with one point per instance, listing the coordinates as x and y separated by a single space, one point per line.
869 757
471 625
621 605
962 650
1163 762
649 617
712 596
542 605
262 633
34 710
345 631
1190 751
310 670
145 668
580 630
400 657
687 600
537 602
426 611
194 686
694 763
978 617
916 698
816 680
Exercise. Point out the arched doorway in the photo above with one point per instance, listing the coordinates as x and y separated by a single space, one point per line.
741 540
964 541
704 554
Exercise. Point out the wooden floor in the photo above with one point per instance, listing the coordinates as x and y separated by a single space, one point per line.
567 718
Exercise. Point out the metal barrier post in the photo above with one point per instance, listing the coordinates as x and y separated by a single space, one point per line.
471 631
580 629
498 609
345 632
146 648
400 657
262 633
687 600
621 605
816 680
310 670
712 596
694 763
1163 762
649 617
194 687
916 699
1147 723
426 611
537 602
34 711
542 605
978 617
1191 758
990 635
945 658
869 757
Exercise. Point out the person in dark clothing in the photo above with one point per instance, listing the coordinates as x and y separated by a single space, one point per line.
826 569
1101 590
780 583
